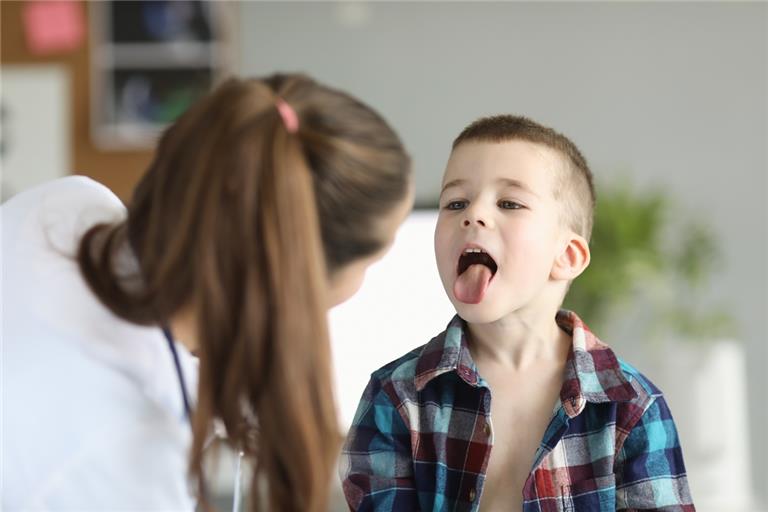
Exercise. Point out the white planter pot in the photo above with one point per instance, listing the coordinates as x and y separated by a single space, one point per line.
705 386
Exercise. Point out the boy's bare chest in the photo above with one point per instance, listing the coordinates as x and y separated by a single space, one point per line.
521 409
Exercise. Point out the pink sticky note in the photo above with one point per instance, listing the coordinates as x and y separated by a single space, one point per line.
53 26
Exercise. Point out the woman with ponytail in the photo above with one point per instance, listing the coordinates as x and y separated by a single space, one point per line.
265 203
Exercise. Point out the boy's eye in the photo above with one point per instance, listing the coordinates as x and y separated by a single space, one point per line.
509 205
455 205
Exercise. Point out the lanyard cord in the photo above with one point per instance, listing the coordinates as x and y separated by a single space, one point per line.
179 373
188 413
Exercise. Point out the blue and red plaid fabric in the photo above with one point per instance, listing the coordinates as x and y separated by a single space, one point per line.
421 437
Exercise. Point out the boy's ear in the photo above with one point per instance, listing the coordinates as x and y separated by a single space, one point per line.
572 260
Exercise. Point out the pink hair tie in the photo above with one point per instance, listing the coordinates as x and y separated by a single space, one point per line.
290 119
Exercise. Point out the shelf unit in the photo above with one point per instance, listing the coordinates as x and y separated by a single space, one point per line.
149 61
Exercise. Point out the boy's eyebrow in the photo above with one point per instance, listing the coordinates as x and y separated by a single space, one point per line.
452 183
507 182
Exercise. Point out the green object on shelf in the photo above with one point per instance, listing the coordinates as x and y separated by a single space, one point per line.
177 102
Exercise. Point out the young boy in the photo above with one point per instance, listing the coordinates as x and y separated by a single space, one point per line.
516 405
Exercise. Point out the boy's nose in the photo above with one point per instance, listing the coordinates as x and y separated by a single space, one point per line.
476 215
468 222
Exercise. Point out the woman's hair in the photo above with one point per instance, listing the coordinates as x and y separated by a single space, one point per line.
240 223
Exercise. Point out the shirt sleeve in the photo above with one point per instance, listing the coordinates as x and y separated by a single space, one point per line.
376 464
650 473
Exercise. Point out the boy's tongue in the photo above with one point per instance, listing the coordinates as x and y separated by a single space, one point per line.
471 285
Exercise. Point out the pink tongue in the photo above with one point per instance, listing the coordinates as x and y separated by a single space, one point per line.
472 284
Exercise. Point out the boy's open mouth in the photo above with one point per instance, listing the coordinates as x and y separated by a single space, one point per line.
475 270
475 257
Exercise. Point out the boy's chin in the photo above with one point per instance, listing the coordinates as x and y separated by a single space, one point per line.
482 313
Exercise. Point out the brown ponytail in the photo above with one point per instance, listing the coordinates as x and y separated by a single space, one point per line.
241 223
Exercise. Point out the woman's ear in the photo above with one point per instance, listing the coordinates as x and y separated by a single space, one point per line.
573 259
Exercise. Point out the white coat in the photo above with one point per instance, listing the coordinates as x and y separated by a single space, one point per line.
92 412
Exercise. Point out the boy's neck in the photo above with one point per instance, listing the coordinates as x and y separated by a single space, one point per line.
519 341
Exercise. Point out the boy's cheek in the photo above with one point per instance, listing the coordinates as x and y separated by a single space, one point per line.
443 254
445 267
442 266
442 246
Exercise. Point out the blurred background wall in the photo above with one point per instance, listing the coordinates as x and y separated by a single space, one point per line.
119 169
671 96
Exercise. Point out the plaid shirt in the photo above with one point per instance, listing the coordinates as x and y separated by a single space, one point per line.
421 437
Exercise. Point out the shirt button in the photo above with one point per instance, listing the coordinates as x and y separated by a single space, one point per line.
487 429
472 494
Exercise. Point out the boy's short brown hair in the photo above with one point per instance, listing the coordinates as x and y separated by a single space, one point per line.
574 188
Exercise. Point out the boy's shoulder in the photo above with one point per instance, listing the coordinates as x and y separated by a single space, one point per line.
403 367
597 373
639 381
439 355
647 393
643 396
398 385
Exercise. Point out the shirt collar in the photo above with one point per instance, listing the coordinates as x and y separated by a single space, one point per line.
592 371
448 351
